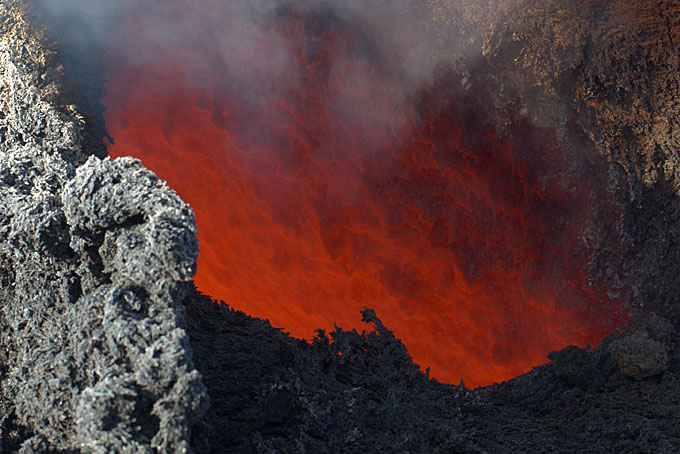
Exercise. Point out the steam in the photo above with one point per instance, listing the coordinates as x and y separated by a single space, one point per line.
240 50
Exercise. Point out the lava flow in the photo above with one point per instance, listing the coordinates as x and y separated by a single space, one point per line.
323 182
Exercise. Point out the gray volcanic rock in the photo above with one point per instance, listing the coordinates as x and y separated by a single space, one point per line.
639 356
646 348
94 259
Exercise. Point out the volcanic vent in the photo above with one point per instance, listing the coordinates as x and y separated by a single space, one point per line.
477 175
327 175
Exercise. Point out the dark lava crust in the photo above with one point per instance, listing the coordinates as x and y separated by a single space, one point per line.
107 347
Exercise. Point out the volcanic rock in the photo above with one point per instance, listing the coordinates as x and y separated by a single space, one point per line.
640 357
645 350
94 259
344 392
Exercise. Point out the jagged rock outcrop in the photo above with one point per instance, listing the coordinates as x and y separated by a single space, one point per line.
271 393
95 256
345 392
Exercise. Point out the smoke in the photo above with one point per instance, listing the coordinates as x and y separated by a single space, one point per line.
237 47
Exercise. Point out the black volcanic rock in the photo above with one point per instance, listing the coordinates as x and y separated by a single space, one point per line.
271 393
107 347
346 392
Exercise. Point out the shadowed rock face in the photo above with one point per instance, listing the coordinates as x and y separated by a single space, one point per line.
613 68
103 335
271 393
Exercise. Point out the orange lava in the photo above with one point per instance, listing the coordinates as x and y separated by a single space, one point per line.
324 195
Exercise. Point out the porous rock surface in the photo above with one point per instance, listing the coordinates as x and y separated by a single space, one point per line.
613 69
605 77
273 394
94 260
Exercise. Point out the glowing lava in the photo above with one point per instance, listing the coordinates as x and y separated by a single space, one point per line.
317 191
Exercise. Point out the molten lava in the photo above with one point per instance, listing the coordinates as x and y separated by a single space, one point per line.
323 183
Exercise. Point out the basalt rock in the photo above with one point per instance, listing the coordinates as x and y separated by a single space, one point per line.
94 259
639 356
345 392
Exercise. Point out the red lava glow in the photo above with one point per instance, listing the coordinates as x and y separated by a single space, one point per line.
322 198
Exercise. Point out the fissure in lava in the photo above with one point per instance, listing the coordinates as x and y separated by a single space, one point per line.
323 181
